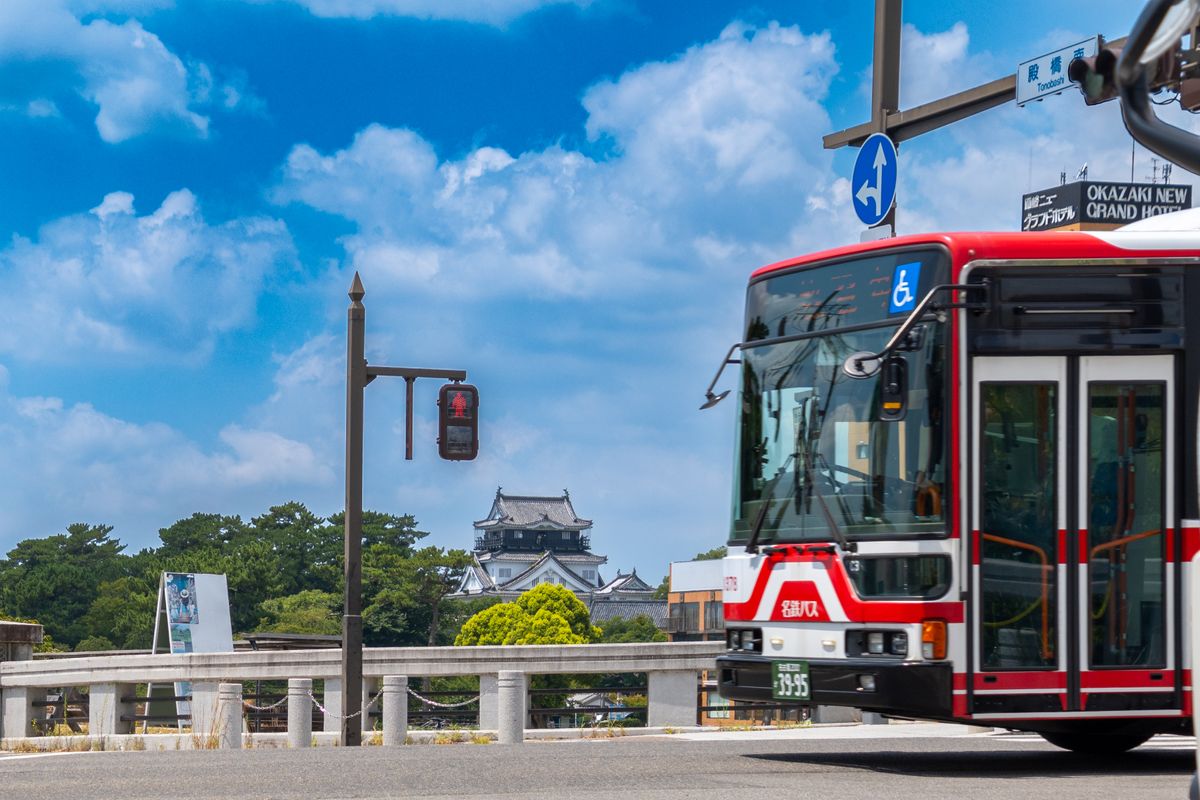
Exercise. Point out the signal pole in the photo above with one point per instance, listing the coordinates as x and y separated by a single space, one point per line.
358 375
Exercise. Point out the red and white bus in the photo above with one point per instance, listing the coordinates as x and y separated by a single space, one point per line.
967 482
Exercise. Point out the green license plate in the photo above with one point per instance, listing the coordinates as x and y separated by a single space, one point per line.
789 680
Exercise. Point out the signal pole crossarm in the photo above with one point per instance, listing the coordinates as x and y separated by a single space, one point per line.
903 125
374 372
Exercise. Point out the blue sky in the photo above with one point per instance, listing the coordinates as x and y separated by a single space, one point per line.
564 198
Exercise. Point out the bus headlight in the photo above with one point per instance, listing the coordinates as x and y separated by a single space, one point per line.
875 642
900 644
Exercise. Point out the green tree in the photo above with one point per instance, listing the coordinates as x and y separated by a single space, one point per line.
122 613
309 611
55 579
560 601
94 644
638 629
715 554
251 570
200 531
546 614
404 594
307 548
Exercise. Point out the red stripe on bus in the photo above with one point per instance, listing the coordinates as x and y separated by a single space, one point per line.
856 610
1170 545
744 612
1191 544
1063 555
1127 678
1020 680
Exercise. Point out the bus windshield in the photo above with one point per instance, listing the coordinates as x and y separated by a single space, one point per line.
811 447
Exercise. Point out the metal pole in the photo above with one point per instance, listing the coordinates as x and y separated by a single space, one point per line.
885 79
408 412
356 381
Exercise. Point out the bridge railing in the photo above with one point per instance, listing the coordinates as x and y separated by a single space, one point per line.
672 670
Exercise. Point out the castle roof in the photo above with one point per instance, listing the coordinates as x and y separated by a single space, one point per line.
527 511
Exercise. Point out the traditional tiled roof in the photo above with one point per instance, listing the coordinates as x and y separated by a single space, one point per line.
482 575
518 511
562 569
530 556
623 584
606 608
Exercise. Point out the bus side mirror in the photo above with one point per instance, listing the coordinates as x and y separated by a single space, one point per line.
893 389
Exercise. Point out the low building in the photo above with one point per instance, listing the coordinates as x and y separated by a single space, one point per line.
694 608
696 612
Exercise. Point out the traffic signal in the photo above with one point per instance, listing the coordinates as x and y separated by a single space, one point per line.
458 422
1096 75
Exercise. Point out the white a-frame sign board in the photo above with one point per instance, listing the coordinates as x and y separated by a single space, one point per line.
194 607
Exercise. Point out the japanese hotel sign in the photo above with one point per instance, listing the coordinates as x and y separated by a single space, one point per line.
1048 74
1093 202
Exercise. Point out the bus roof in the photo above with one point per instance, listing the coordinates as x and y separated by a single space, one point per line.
965 247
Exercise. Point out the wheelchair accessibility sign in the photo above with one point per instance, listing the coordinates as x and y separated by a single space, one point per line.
905 279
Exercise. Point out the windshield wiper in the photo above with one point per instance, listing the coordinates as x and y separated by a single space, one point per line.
768 501
844 543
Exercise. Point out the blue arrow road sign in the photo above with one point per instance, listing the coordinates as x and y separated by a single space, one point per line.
873 184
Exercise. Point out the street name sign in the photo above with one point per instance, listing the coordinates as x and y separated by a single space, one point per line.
1047 74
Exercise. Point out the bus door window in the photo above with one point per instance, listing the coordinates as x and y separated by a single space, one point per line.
1018 519
1125 524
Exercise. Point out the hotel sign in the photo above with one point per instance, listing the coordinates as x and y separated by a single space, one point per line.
1097 202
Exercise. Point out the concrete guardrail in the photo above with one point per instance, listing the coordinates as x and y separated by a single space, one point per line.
672 670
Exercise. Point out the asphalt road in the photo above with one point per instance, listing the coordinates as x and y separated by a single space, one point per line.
645 768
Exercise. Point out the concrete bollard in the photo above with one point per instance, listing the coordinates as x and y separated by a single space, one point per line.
16 716
204 709
489 702
395 710
369 687
672 698
17 640
229 716
106 709
332 700
299 706
511 723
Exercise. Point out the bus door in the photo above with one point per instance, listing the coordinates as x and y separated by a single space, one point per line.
1072 596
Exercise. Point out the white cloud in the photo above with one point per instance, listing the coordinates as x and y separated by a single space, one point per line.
585 293
491 12
112 283
709 157
66 463
136 83
127 72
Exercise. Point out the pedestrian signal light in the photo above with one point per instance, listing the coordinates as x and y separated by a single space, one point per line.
458 422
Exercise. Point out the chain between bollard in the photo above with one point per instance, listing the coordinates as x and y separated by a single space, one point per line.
253 707
436 704
358 713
